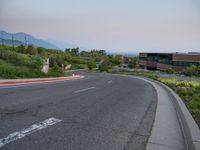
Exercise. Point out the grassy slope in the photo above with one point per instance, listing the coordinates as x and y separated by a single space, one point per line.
11 71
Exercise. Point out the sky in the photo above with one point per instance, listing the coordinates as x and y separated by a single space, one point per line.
121 26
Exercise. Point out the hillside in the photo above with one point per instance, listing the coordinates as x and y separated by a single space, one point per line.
10 42
27 62
24 38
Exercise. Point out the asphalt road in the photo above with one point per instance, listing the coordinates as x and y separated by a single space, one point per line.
98 112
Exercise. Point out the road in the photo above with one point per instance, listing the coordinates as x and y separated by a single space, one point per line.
98 112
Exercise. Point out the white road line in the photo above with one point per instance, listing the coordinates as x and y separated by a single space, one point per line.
32 84
27 85
15 86
110 81
35 127
82 90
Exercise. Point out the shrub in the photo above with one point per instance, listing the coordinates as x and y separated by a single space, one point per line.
77 61
181 91
77 66
31 50
169 70
195 107
21 59
193 71
104 67
56 68
20 49
91 65
12 72
195 104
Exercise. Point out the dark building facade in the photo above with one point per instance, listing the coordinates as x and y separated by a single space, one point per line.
161 61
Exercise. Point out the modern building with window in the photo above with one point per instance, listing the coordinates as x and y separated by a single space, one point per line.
161 61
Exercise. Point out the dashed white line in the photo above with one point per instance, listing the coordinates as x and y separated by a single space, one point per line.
82 90
110 81
35 127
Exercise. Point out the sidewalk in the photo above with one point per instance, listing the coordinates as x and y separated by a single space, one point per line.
174 128
166 132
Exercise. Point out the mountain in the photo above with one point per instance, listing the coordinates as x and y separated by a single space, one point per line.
63 44
10 42
22 38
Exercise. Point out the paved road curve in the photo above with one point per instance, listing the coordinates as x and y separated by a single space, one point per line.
99 112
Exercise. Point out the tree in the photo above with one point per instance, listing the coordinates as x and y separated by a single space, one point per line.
132 63
115 60
21 49
52 60
84 53
91 65
75 51
59 60
41 51
36 62
102 52
31 50
56 68
67 50
104 66
125 60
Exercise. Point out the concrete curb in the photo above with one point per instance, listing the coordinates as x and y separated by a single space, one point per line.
76 70
41 80
189 127
166 132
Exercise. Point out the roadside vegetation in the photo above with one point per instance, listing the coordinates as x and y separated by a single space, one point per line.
15 64
189 91
27 62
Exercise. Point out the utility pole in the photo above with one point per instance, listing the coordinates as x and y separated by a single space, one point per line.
25 41
2 43
12 41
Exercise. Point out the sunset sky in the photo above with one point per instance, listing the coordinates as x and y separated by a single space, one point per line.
126 26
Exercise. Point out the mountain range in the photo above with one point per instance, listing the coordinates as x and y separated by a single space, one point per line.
19 38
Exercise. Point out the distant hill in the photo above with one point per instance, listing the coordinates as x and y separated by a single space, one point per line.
9 42
22 38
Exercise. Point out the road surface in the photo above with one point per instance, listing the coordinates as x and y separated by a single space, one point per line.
98 112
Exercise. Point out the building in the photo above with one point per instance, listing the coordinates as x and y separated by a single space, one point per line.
161 61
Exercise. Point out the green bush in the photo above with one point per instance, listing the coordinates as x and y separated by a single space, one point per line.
56 68
103 67
77 61
195 104
34 62
55 74
12 72
78 66
193 71
181 91
169 70
91 65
